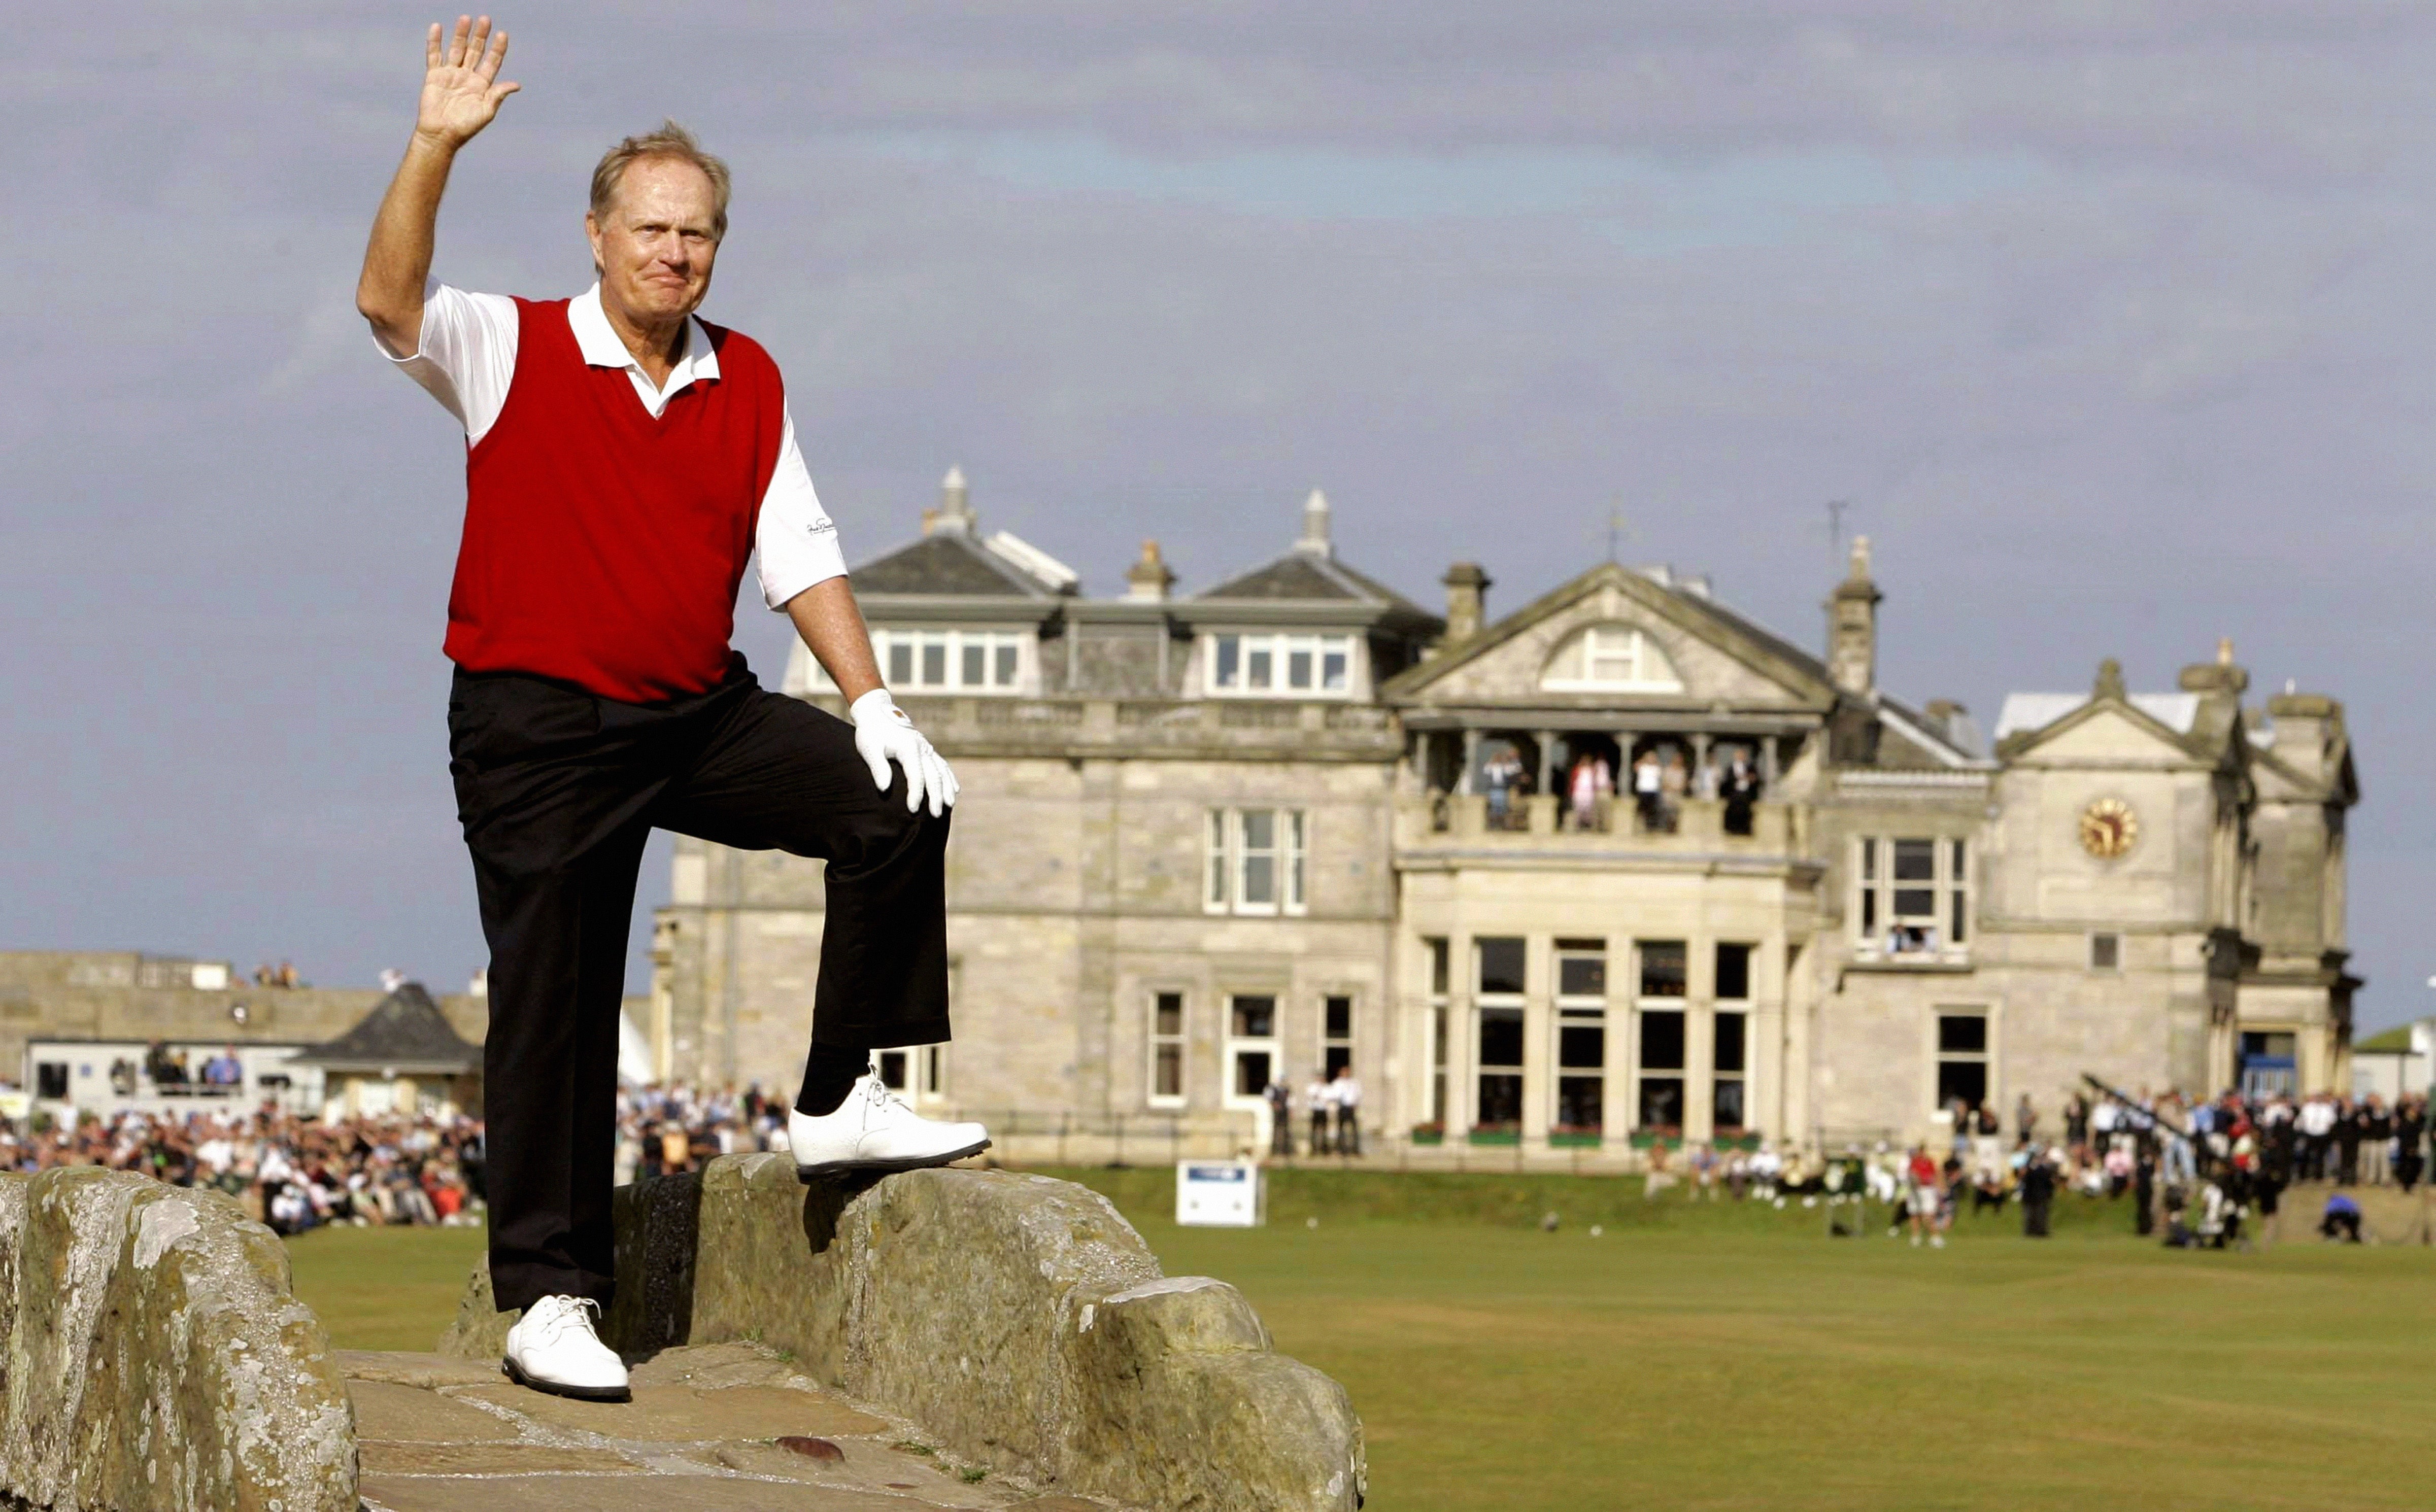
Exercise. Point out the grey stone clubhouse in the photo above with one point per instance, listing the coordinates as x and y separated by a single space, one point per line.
1618 866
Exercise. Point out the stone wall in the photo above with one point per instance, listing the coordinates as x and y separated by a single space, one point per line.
152 1356
1018 1318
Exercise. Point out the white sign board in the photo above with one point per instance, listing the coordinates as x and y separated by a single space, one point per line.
1221 1194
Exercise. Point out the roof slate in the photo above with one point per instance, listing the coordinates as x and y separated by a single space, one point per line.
1297 575
946 563
404 1029
1308 577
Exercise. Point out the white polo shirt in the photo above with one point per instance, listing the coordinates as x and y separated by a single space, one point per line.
467 359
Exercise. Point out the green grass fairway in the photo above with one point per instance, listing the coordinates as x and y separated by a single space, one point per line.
1716 1357
1707 1356
384 1288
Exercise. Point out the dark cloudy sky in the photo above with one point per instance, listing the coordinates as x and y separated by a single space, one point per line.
2110 319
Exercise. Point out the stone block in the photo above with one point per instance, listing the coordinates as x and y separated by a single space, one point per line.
408 1414
621 1493
1185 1363
1020 1320
155 1357
675 1415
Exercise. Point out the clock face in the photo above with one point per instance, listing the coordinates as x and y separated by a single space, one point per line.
2108 829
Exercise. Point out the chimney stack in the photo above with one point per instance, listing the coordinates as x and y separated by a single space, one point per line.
2110 682
1147 580
955 513
2307 729
1853 625
1315 526
1466 588
2222 675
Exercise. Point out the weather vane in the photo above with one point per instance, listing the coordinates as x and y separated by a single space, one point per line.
1835 508
1618 530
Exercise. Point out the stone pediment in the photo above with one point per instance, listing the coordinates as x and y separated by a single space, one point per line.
1616 637
2104 731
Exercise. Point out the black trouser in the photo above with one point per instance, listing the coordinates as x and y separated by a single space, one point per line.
558 789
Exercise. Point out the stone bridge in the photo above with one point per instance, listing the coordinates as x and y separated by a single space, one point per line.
937 1339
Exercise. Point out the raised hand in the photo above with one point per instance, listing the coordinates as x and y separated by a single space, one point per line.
460 81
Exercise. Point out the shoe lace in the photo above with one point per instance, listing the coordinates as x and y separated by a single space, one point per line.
876 1092
569 1313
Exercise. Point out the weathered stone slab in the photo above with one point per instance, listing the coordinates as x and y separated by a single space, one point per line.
628 1493
154 1355
413 1369
678 1415
408 1414
710 1367
492 1459
1018 1319
1185 1363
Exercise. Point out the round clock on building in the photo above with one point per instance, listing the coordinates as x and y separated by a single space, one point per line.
2108 829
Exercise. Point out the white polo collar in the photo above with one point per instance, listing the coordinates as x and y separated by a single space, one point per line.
601 347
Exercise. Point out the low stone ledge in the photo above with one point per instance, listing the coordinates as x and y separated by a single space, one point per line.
153 1355
1018 1319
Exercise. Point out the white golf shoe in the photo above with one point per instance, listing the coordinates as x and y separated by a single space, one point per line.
874 1130
553 1348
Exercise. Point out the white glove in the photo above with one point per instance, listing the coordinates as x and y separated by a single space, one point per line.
883 734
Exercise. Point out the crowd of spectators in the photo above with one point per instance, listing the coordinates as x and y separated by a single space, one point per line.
291 1172
296 1173
2194 1170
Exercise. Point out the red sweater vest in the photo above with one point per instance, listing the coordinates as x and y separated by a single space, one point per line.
602 546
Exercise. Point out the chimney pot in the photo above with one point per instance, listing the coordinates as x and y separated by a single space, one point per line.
955 513
1466 588
1148 580
1316 538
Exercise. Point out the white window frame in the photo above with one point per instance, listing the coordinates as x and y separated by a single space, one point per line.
1180 1041
1502 1003
924 1067
1986 1056
952 645
1643 1004
1352 1002
1272 1044
1719 1077
1579 1011
1948 885
1221 648
1438 970
1650 670
1227 855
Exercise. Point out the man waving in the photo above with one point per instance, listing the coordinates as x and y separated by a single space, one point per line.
623 461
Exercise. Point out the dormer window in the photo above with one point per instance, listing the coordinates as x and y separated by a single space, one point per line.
1279 665
1610 659
953 661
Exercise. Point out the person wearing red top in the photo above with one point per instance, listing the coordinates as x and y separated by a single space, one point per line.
625 462
1925 1197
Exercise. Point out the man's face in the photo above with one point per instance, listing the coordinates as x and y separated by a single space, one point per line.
655 243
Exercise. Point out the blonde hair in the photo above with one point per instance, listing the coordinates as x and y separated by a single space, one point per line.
670 141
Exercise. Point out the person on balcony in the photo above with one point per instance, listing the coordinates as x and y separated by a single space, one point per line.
1501 773
1588 787
1648 784
1739 786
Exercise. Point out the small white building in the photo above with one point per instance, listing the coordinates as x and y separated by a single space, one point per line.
403 1058
170 1077
2401 1059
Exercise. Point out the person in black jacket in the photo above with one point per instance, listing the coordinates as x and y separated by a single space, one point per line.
2410 1141
2038 1193
2377 1133
2348 1130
